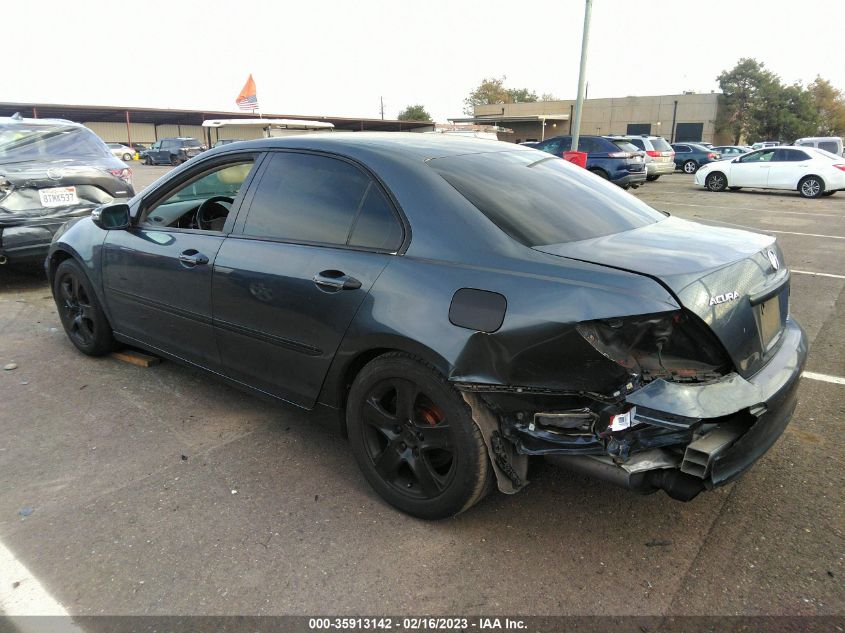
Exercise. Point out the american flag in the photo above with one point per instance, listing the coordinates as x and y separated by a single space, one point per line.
248 97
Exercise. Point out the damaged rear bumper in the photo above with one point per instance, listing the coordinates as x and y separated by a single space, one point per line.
683 437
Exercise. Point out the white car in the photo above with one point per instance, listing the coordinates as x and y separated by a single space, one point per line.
809 171
121 151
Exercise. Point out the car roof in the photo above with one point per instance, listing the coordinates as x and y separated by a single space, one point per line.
404 144
27 121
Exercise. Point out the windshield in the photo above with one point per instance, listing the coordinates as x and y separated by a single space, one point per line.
24 142
660 145
540 200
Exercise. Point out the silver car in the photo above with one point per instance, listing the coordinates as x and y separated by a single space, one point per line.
121 151
659 155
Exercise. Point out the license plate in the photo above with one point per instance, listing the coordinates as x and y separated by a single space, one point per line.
770 322
58 196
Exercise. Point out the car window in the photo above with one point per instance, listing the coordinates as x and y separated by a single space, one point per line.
829 146
552 146
638 142
542 201
625 146
660 145
376 225
190 142
307 198
790 155
759 156
683 149
179 208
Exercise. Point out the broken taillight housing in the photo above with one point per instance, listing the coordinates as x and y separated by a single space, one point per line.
675 346
124 174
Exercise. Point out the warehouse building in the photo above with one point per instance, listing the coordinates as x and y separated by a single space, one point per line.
147 125
684 117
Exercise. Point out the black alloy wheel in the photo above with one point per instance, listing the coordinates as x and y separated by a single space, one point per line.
414 438
82 318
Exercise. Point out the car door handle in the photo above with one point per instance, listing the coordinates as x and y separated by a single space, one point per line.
192 258
334 280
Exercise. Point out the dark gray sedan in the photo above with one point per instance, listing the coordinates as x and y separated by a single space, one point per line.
461 306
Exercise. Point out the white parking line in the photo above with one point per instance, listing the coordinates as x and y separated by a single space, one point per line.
22 594
836 380
833 237
807 272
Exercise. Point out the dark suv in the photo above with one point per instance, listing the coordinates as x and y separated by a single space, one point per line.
613 159
172 151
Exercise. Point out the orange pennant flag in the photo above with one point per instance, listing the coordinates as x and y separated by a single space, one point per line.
248 97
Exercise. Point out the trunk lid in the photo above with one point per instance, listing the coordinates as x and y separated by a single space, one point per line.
732 280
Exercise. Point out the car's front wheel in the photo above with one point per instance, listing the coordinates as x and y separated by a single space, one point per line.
82 318
811 187
414 439
127 157
690 167
716 181
148 160
174 160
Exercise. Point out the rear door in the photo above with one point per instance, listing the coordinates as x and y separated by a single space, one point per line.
287 283
157 274
787 168
752 170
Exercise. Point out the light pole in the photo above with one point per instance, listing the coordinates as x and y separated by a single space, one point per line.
579 102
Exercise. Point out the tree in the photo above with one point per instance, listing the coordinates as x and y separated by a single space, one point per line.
490 90
830 107
741 86
522 95
784 113
414 113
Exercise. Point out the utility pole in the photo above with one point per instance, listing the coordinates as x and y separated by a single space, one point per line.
579 102
381 99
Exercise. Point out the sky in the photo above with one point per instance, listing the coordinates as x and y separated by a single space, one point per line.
339 58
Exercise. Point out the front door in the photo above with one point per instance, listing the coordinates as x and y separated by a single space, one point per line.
157 274
290 279
752 170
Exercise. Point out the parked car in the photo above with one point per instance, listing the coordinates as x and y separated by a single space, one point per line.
731 151
51 171
121 151
460 305
811 172
832 144
690 156
659 155
615 160
762 144
172 151
225 141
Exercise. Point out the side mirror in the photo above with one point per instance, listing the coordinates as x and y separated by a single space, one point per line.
111 217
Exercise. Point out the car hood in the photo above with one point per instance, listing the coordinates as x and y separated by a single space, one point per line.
721 275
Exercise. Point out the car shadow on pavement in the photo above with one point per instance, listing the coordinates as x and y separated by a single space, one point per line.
21 277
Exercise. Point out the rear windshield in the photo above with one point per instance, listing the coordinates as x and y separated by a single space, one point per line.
24 142
540 200
660 145
626 146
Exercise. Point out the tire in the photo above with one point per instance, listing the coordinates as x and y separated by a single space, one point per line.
811 187
394 404
127 157
174 160
83 319
716 181
690 167
601 173
148 160
652 178
734 188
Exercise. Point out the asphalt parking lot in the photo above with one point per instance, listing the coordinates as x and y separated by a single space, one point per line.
130 490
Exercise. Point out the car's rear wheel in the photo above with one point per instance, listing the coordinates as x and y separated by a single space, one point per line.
716 181
79 310
174 160
414 439
811 187
127 157
690 167
652 178
601 172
